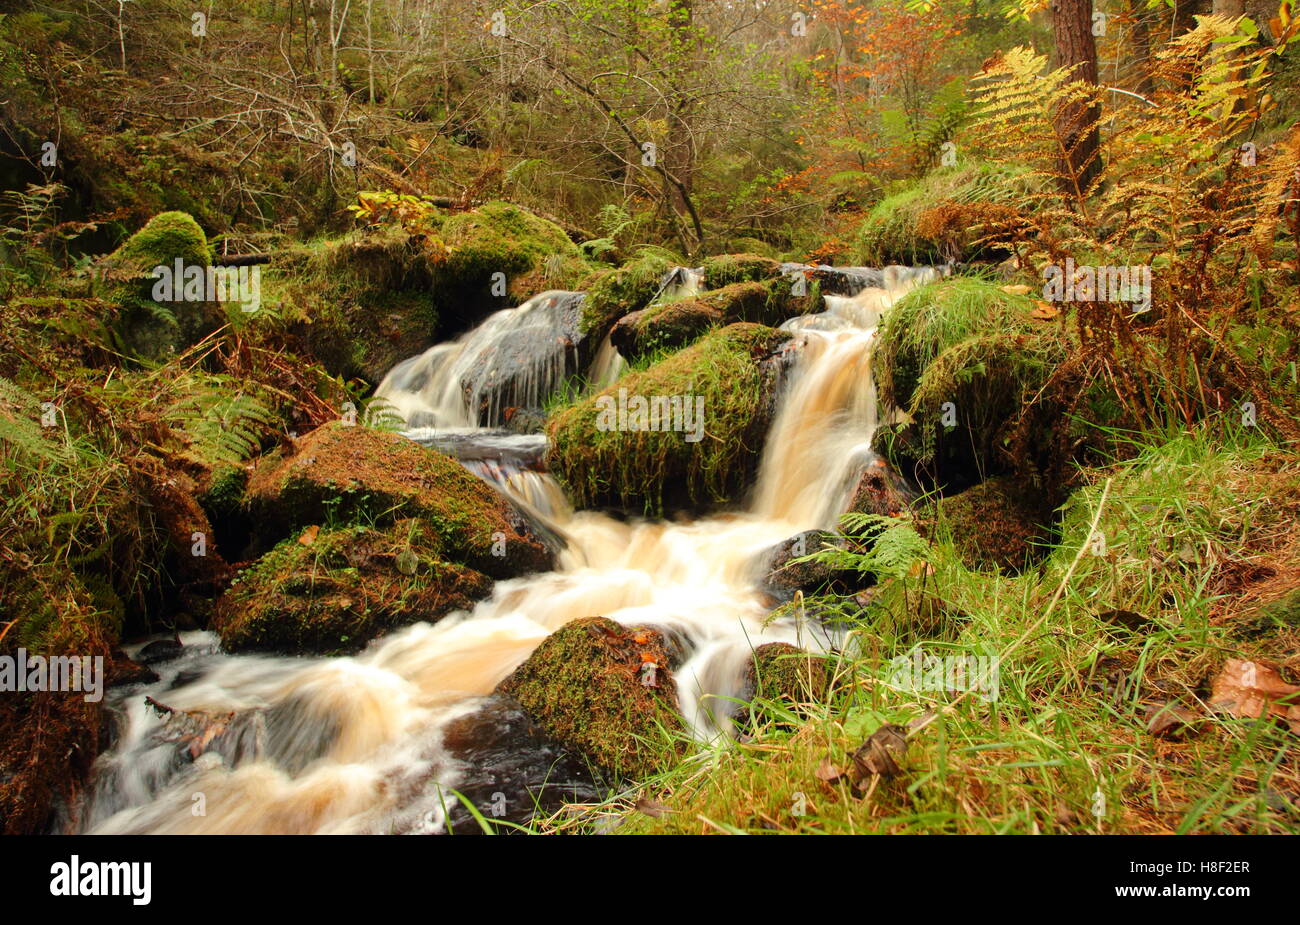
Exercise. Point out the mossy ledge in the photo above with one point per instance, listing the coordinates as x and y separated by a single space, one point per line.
733 370
341 474
331 592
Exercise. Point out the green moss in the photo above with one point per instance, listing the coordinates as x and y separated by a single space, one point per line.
497 237
358 475
612 294
890 234
653 470
932 318
148 328
995 525
738 268
785 675
345 587
584 686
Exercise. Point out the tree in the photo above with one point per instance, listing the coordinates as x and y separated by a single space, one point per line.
1076 121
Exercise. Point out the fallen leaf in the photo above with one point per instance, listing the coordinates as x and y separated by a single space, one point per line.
829 771
309 535
877 754
1250 689
1016 289
1171 718
1044 310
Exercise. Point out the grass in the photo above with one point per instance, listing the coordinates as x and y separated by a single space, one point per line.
1197 534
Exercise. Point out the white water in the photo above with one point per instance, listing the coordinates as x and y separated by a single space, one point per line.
356 746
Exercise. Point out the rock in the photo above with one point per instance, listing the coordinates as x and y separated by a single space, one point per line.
151 329
786 674
160 650
333 591
611 294
783 576
995 525
726 269
881 491
356 474
511 769
586 686
120 671
692 461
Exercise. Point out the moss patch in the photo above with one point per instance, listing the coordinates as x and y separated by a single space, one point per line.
726 269
995 525
347 475
732 371
583 686
611 294
331 592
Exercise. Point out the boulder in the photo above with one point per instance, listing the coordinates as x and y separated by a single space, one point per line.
510 769
332 591
605 691
609 453
342 474
994 525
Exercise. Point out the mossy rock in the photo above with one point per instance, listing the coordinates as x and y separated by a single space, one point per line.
894 231
995 525
785 674
584 687
675 324
148 328
611 294
726 269
341 474
533 253
733 370
784 574
330 592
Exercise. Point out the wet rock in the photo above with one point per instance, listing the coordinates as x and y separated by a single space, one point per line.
343 474
333 591
511 770
160 650
880 491
783 575
996 524
121 671
605 691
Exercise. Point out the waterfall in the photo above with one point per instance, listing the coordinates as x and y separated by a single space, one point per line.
357 744
516 358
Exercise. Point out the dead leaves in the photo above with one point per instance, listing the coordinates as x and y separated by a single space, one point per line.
1251 690
876 758
1171 719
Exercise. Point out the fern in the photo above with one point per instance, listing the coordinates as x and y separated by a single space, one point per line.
895 547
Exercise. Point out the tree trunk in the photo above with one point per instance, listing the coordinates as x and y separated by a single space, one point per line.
1076 123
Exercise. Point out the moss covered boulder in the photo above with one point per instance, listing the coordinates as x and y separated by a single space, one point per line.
629 446
532 254
332 591
611 294
588 686
343 475
784 674
149 327
726 269
995 525
963 357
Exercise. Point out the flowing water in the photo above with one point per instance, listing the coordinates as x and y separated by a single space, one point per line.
356 744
